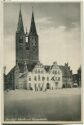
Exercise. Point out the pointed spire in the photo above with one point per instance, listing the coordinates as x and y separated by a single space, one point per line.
20 27
32 27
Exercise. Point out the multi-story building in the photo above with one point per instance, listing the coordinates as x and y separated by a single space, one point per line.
67 77
77 78
40 79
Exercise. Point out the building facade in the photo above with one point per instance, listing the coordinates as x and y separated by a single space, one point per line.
77 78
12 78
41 80
67 76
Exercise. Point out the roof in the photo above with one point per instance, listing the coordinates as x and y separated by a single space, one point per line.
20 27
65 71
12 70
33 26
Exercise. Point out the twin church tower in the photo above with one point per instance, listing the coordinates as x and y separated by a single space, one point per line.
27 46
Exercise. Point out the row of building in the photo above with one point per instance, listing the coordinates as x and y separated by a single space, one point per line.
29 73
41 78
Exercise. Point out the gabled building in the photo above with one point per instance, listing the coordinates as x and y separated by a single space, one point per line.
41 80
11 79
67 77
77 78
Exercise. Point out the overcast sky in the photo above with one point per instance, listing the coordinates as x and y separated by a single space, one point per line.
58 28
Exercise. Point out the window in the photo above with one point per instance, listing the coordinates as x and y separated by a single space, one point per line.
29 79
47 78
27 48
29 85
58 78
55 78
55 72
39 78
35 71
58 72
56 83
43 78
35 78
38 71
41 71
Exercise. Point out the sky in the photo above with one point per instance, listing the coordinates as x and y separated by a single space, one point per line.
58 28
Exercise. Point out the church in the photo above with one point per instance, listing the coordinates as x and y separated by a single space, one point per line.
27 49
28 72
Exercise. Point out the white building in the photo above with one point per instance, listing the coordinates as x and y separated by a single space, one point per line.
40 79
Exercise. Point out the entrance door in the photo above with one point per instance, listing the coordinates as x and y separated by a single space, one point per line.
48 86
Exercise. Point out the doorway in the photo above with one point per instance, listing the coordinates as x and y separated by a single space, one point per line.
48 86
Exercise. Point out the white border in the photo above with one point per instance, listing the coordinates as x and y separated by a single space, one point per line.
82 44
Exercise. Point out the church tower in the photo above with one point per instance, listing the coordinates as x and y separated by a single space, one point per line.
33 43
20 42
